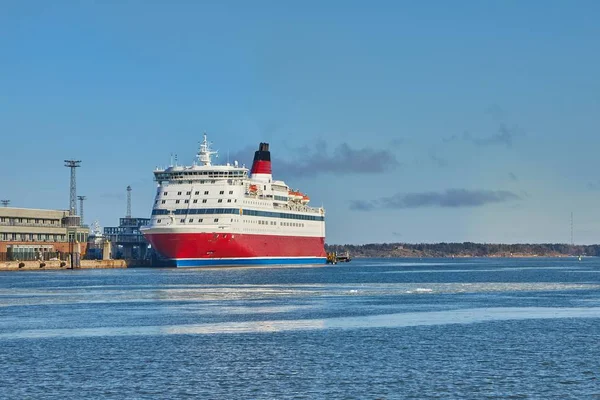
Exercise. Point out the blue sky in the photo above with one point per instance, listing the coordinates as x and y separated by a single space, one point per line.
409 121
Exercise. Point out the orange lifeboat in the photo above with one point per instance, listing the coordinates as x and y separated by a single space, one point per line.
252 189
305 199
295 195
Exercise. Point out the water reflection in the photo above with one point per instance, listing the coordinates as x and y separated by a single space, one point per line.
396 320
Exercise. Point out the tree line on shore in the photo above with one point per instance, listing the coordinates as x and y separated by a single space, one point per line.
465 249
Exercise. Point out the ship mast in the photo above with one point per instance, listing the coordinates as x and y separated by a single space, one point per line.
205 153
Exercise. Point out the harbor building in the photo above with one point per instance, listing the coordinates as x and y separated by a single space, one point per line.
127 240
27 232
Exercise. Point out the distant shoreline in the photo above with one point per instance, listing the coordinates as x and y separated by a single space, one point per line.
464 250
469 256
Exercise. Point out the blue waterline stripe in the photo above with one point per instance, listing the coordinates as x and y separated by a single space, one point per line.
206 262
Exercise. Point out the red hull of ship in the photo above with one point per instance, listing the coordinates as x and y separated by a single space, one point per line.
226 245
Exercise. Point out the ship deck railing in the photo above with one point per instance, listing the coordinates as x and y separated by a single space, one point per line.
294 207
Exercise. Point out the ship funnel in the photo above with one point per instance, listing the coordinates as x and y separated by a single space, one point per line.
261 166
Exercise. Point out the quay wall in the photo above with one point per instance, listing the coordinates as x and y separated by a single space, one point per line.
57 265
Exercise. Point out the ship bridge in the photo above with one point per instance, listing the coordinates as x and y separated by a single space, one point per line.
201 169
196 173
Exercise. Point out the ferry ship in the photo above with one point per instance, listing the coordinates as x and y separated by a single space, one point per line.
225 215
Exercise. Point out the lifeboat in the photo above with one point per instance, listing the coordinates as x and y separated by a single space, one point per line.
252 189
305 199
296 196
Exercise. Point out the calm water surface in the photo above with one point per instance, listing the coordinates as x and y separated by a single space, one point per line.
370 329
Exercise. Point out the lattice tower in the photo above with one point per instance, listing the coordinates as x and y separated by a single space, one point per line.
128 202
73 195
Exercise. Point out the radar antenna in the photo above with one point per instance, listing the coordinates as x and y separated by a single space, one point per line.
205 152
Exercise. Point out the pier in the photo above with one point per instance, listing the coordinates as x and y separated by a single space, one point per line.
334 258
59 264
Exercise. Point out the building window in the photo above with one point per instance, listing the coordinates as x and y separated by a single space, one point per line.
216 219
187 201
178 193
196 193
200 220
163 202
220 200
182 220
231 192
158 221
222 192
165 193
204 201
188 193
196 200
176 201
229 200
191 220
206 192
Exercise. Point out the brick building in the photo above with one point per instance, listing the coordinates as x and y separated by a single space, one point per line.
31 231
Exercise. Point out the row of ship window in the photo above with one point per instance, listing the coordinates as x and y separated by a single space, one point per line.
197 192
206 192
210 174
295 224
195 201
198 211
200 220
255 213
271 214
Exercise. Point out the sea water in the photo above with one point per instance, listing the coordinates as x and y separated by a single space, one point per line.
368 329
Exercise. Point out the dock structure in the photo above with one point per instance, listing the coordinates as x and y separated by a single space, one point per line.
55 264
126 240
334 258
344 257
